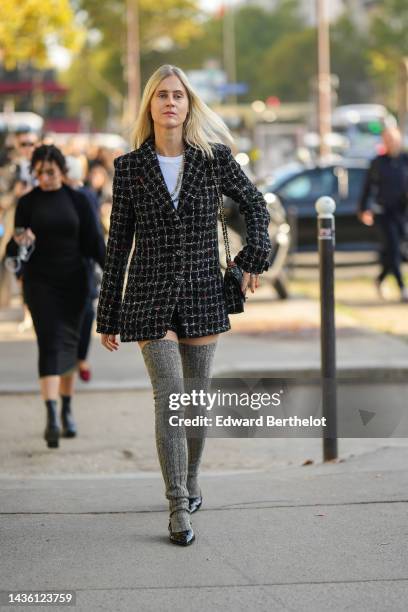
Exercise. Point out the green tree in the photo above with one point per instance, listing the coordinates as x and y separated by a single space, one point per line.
174 32
27 27
101 62
350 62
388 45
256 31
103 94
389 28
288 66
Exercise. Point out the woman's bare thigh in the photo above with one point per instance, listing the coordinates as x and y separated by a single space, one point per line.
201 340
170 335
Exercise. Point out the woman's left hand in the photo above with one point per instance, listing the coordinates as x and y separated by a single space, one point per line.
249 280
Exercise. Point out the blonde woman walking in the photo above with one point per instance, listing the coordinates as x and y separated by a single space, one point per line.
165 196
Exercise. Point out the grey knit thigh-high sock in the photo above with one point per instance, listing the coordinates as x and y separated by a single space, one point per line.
197 368
163 363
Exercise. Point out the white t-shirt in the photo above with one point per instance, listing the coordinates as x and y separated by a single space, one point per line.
170 167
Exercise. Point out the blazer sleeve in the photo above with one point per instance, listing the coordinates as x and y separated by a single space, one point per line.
236 185
120 239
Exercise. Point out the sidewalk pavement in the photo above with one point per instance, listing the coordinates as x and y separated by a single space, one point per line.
92 517
272 338
115 411
312 538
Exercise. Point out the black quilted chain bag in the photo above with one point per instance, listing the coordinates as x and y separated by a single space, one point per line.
233 276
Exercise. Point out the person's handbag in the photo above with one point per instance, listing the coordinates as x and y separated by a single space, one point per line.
233 276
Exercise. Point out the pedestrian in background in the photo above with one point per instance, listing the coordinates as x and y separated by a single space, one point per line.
165 196
26 143
7 210
59 222
387 184
100 184
75 178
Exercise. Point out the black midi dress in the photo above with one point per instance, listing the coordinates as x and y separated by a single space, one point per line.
55 279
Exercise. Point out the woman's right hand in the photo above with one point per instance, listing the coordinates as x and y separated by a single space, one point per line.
249 280
25 238
110 342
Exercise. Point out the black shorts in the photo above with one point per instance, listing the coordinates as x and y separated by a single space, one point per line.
175 324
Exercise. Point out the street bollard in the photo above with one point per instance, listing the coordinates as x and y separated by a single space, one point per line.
325 208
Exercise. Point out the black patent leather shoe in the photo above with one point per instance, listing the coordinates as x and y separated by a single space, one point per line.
183 538
194 503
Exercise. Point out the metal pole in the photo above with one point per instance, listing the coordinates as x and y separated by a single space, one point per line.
323 78
230 65
133 62
325 208
403 95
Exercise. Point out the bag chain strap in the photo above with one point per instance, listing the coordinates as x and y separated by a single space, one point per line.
230 263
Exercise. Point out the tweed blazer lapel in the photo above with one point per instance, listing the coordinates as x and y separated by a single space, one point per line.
154 183
194 170
153 180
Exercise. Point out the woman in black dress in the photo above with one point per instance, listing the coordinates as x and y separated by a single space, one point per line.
165 196
60 223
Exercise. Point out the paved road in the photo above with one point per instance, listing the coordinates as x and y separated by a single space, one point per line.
272 336
309 539
272 534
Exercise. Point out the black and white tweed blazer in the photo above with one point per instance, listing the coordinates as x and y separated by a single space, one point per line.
175 259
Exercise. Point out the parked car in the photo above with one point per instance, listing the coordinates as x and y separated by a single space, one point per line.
361 125
299 186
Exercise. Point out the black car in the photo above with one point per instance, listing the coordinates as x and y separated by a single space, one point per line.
279 235
299 186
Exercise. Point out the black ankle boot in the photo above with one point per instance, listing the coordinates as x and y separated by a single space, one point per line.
52 430
69 428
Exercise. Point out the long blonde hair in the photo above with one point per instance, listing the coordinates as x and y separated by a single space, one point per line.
202 125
